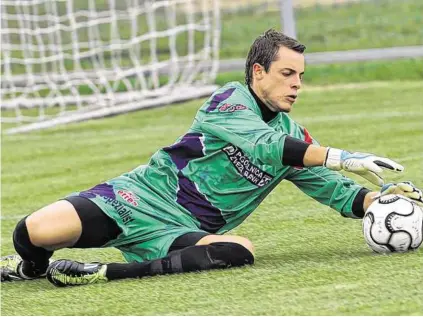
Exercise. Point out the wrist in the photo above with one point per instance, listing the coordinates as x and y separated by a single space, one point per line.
333 159
315 155
368 199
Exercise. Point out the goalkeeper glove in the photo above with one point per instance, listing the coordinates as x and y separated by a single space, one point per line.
406 189
366 165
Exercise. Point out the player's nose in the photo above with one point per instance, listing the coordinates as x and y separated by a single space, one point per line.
296 83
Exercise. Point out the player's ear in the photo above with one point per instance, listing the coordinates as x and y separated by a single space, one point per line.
258 71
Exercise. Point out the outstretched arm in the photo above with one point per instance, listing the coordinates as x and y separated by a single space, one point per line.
407 189
366 165
332 189
246 130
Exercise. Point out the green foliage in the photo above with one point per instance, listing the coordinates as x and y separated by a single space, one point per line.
309 259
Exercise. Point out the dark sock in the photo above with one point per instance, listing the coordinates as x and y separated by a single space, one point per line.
194 258
35 259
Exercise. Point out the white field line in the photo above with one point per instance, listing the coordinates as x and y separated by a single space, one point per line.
303 121
317 89
364 85
17 217
355 116
408 158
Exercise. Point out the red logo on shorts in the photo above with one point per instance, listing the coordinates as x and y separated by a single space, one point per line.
129 197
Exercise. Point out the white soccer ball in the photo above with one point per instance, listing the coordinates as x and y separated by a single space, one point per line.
393 223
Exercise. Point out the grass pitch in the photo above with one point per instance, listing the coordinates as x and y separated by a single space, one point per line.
309 260
336 27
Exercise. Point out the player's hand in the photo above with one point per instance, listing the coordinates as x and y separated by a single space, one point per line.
406 189
366 165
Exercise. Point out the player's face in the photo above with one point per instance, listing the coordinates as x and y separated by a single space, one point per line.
278 88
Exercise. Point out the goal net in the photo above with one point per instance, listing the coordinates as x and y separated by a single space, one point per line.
64 61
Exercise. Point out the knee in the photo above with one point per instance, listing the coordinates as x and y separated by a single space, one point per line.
231 254
36 230
20 234
55 226
246 243
43 231
23 237
216 255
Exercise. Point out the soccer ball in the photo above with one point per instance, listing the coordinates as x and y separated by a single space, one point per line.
393 223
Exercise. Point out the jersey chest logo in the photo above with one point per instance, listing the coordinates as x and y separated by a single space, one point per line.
227 107
245 168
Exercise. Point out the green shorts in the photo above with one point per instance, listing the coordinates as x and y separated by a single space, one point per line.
149 224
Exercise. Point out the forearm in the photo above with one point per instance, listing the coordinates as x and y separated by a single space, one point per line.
331 189
315 155
369 199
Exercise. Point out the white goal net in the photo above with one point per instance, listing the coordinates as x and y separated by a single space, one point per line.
64 61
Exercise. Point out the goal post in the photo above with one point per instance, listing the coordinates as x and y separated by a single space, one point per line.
64 61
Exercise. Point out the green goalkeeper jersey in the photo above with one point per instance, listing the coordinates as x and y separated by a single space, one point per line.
230 160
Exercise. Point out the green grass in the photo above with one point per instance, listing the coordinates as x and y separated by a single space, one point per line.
353 72
309 260
410 69
360 25
366 24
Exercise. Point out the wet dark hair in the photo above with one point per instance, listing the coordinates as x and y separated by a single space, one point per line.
265 50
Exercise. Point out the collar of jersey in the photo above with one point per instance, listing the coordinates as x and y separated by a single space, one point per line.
266 113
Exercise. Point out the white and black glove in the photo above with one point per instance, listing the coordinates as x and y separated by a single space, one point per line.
366 165
406 189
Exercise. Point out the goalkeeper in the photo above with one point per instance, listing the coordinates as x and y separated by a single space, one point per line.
171 215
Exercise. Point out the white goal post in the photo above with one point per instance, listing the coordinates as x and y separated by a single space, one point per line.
64 61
